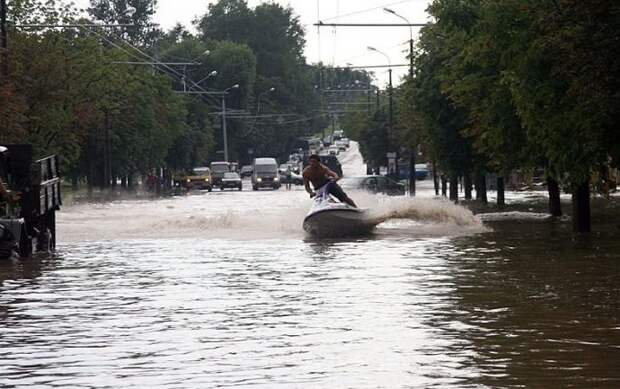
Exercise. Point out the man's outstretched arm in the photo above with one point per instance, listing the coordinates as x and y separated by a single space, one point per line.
308 189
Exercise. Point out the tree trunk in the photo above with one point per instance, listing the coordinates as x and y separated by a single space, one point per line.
555 207
444 186
501 199
412 172
581 208
435 179
467 184
481 188
454 188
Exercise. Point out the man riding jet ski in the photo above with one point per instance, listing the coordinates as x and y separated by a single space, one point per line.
328 218
319 175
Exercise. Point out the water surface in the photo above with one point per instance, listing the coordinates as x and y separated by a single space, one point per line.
223 289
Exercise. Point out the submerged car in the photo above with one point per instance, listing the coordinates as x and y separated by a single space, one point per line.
373 184
231 180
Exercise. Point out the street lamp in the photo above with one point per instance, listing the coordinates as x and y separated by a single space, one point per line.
413 150
388 10
391 107
193 62
224 134
212 74
258 104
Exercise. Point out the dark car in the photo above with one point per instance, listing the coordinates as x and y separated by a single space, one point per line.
218 169
231 180
373 184
246 171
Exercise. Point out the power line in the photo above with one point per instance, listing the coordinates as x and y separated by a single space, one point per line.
367 10
321 24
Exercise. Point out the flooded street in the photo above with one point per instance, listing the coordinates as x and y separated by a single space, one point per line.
223 289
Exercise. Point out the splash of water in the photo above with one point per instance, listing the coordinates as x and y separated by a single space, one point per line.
242 217
420 216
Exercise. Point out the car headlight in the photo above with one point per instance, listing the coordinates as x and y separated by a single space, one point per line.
188 180
206 179
259 179
276 179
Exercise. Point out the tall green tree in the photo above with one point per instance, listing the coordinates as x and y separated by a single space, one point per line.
137 15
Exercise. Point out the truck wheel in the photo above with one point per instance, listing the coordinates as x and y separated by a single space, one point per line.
44 241
25 244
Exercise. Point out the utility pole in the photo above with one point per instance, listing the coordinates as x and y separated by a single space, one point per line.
368 92
413 151
4 40
413 148
391 123
224 135
391 110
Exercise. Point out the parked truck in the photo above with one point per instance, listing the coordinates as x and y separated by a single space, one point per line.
28 217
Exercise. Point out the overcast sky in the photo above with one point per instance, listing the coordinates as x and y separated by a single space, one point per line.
333 46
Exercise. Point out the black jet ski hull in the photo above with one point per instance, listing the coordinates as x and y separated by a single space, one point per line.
338 222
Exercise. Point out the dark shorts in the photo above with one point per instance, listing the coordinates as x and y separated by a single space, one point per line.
336 191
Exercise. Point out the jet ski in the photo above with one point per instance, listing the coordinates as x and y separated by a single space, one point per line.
329 218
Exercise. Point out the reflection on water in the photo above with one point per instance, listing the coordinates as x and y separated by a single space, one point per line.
182 293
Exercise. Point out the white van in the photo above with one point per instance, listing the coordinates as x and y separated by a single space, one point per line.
265 173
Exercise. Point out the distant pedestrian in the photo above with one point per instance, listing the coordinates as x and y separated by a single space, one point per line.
151 181
289 177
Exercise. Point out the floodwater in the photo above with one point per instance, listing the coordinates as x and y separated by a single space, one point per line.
223 289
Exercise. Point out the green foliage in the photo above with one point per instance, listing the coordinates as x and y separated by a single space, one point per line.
275 37
526 82
97 115
441 122
118 12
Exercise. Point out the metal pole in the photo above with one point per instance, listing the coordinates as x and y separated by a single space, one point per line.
368 92
411 57
390 101
224 135
391 118
4 46
414 149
